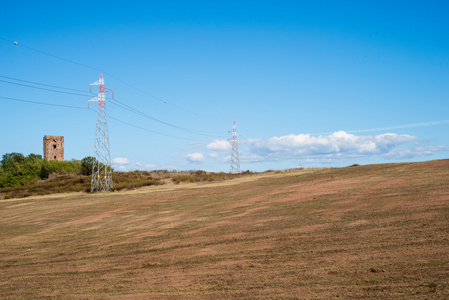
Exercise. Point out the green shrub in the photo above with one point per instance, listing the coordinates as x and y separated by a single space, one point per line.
45 171
19 170
86 165
185 178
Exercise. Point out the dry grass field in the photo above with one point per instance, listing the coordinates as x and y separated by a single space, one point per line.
375 231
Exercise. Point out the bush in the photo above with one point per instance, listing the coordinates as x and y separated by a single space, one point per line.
185 178
19 170
86 165
45 171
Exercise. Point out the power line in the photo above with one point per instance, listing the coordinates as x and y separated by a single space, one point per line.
109 74
148 130
42 103
124 106
118 120
43 84
138 112
120 104
84 108
44 89
83 65
51 55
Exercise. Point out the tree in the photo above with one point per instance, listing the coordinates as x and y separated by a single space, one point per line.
45 171
87 165
16 169
35 156
10 160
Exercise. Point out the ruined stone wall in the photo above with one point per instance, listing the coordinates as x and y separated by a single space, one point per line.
53 147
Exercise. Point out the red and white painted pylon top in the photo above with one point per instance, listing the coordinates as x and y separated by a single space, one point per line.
101 92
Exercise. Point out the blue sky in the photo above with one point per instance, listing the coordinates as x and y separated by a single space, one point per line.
308 83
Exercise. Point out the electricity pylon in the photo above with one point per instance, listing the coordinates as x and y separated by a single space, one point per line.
101 169
235 163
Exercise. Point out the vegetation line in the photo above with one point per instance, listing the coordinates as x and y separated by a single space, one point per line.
23 176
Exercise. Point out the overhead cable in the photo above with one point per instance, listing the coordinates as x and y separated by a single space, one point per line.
138 112
41 103
44 84
45 89
85 108
119 103
105 72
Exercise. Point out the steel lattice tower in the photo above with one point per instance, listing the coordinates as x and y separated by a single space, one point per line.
101 169
235 163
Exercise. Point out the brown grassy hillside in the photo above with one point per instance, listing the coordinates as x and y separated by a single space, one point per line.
376 231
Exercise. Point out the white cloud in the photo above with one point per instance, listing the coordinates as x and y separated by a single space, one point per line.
120 161
195 157
122 169
336 147
406 153
213 155
337 142
147 167
219 145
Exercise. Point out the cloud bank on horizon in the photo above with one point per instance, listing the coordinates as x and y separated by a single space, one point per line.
338 147
120 161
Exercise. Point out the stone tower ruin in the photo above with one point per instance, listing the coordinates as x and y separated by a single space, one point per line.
53 147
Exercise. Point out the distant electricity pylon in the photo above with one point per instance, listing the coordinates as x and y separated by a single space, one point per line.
101 169
235 163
